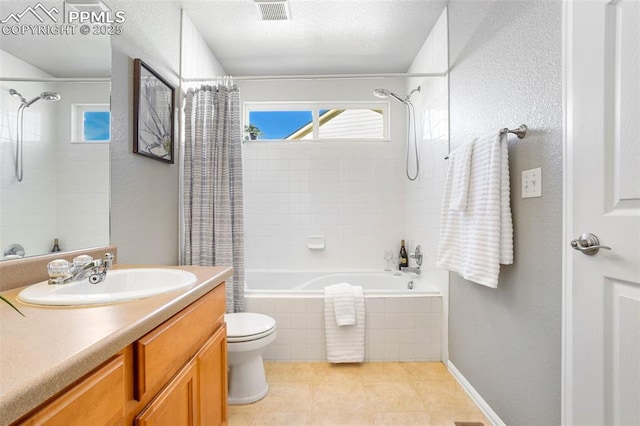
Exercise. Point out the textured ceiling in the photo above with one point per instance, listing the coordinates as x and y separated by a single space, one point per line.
322 37
59 55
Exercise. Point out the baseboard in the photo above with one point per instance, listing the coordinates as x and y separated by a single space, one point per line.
475 396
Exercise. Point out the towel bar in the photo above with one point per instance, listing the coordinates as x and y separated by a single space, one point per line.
520 132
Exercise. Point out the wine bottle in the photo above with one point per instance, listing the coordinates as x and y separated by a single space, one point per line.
56 247
404 259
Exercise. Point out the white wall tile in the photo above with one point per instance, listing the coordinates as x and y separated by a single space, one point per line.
283 321
423 353
391 352
282 352
315 321
423 304
298 353
407 352
390 336
328 189
314 353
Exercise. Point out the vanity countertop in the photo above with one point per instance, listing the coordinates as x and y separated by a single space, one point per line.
52 347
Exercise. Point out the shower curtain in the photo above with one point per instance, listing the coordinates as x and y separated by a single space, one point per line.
212 184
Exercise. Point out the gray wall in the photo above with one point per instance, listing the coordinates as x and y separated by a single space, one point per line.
144 192
505 70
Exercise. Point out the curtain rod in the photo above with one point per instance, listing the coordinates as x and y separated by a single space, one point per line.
316 77
59 79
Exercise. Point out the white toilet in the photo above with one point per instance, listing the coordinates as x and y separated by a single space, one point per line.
248 334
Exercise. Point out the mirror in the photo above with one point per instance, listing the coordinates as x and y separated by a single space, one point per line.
54 149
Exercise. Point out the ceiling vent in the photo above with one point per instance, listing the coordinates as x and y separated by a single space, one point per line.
273 10
95 6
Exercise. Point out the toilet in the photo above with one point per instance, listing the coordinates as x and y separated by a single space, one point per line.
248 334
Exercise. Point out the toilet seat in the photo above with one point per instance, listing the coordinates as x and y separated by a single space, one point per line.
245 326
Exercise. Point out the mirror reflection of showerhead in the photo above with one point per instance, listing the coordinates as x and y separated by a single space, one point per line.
50 96
14 92
47 96
24 104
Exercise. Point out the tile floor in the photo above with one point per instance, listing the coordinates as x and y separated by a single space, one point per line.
384 393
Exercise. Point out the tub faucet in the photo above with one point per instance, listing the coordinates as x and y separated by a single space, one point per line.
83 267
412 270
417 255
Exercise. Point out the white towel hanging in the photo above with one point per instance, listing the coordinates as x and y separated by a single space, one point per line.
460 169
344 304
474 242
344 344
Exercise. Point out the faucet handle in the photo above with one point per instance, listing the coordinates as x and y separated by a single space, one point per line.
417 255
58 268
108 260
82 260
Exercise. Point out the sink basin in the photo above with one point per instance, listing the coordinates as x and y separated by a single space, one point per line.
120 285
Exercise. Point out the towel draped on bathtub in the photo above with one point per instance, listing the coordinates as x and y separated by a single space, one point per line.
344 321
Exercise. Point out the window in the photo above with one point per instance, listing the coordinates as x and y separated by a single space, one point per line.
316 121
90 123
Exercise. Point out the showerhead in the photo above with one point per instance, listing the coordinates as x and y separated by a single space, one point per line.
47 96
50 96
384 93
14 92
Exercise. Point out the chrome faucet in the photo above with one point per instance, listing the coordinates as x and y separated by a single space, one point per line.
412 270
84 266
417 255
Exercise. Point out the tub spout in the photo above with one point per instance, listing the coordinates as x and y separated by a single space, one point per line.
412 270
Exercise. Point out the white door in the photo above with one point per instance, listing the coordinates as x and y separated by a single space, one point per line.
601 380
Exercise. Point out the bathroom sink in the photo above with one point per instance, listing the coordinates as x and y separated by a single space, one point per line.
120 285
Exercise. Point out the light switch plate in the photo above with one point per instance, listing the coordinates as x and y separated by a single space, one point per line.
532 183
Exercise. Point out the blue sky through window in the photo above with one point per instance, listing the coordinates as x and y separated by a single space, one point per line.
97 126
278 124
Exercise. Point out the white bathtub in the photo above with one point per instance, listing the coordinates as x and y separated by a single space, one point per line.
312 284
402 324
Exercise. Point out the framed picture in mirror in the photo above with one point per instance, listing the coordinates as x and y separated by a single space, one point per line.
153 121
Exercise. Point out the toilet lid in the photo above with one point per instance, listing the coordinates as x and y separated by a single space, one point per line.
247 326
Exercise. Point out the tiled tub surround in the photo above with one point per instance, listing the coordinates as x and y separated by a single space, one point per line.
349 193
401 325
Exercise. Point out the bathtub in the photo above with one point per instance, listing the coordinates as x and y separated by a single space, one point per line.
313 283
403 313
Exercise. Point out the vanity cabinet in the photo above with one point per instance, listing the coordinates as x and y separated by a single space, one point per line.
174 375
183 362
177 404
197 394
98 398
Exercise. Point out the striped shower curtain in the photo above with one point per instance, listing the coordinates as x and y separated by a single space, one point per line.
212 185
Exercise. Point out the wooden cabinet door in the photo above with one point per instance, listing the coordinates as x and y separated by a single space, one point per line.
212 379
161 353
97 399
177 403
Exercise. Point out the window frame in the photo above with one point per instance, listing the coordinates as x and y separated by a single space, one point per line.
315 107
77 121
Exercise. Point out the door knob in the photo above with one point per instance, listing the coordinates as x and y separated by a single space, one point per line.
588 244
